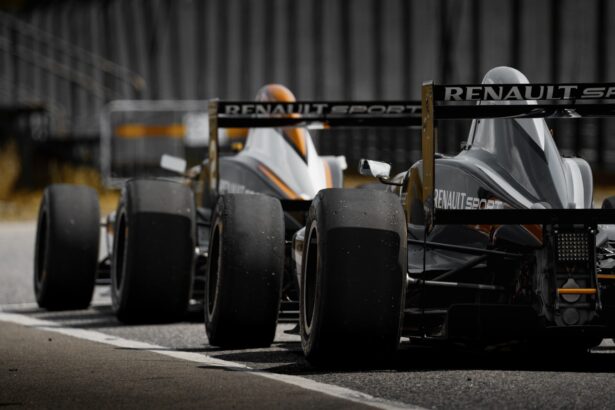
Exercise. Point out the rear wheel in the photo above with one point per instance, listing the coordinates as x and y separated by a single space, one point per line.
153 252
353 277
245 268
66 250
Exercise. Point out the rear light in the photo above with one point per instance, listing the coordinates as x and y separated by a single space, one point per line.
573 246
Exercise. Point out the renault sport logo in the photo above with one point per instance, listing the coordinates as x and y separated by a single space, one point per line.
318 109
445 199
526 92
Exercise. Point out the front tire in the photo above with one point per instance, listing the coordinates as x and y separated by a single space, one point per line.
153 252
245 268
66 250
353 276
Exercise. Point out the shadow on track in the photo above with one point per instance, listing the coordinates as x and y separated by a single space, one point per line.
437 358
287 358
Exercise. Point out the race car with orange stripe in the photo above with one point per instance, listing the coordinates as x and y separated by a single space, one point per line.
252 203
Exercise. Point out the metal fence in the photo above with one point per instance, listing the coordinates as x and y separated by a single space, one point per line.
321 49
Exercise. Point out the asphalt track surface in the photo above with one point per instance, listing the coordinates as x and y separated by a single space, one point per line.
79 358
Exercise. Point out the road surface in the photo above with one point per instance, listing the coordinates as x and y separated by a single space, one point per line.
72 359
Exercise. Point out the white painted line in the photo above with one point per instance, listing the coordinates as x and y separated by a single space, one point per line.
304 383
22 305
34 305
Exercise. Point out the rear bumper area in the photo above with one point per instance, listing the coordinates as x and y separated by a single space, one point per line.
501 323
490 323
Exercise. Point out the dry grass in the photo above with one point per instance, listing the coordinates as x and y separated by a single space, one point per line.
9 169
21 204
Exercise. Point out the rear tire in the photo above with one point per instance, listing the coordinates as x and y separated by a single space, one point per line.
353 276
245 267
66 250
153 252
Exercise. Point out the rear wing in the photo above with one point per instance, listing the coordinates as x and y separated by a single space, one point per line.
447 102
304 114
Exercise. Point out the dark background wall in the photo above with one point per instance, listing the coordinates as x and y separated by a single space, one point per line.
322 49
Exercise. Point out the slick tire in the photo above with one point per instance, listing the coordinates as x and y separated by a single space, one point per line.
245 268
66 250
353 276
153 252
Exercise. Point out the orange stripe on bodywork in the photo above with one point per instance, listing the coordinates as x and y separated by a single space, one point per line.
236 133
605 276
278 182
279 93
148 130
576 291
297 138
328 176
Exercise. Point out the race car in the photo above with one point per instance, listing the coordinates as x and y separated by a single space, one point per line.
495 245
503 243
160 237
252 203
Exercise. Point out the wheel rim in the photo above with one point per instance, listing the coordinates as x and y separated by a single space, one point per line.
214 260
308 288
41 251
120 252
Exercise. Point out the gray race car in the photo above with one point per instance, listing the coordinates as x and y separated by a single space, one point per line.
494 245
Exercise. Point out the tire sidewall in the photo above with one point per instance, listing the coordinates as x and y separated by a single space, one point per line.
41 258
211 317
310 334
121 239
